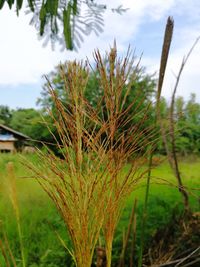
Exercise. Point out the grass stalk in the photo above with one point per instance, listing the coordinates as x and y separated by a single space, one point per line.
127 236
133 241
109 252
121 147
89 184
6 250
14 200
163 63
5 256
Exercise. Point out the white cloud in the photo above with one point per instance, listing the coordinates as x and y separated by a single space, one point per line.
24 60
190 78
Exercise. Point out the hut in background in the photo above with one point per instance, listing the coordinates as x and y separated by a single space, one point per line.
11 140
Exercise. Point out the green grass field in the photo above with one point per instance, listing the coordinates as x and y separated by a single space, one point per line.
40 219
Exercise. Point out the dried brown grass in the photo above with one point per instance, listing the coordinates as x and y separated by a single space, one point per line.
88 183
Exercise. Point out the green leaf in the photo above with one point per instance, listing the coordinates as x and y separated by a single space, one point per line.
55 8
48 6
67 27
31 4
43 14
19 5
74 7
10 3
2 3
52 7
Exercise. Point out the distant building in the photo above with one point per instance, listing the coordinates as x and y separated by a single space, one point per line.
11 140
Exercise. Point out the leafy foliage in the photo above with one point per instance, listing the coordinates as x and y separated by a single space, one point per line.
65 21
187 113
41 244
187 124
5 115
28 121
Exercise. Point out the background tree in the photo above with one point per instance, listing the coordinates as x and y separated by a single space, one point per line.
142 86
5 115
188 125
30 122
141 91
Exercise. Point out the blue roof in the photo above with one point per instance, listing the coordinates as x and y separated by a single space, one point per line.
12 132
7 137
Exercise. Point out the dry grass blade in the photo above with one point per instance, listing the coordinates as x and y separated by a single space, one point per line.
187 257
122 145
75 183
4 254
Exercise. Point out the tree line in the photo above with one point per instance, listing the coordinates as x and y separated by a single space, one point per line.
38 124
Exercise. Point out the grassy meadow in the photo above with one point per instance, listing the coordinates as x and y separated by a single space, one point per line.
41 224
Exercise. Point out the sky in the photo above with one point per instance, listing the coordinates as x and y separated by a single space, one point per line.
24 59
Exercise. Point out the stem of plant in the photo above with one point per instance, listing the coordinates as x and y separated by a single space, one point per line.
108 253
144 215
164 57
21 242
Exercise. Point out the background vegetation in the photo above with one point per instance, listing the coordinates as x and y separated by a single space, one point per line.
42 231
187 113
105 126
32 233
40 219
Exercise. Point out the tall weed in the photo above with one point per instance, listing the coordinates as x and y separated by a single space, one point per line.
88 183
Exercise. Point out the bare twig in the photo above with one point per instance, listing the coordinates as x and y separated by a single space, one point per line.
191 262
187 257
182 190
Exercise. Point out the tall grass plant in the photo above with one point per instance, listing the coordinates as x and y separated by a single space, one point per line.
88 183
